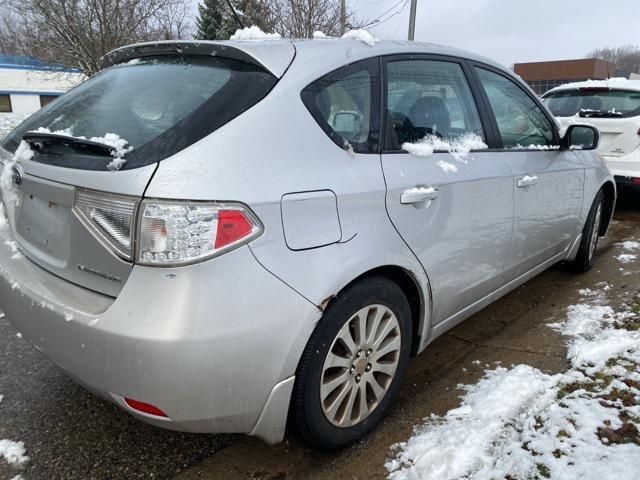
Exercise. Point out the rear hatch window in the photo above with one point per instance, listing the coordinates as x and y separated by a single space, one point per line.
158 105
594 103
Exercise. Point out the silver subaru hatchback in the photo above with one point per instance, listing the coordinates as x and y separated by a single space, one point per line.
218 236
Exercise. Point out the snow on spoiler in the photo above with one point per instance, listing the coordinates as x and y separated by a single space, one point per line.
273 55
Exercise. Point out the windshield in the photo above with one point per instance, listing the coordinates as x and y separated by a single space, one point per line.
158 105
594 103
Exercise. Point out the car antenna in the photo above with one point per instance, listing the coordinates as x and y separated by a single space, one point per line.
235 14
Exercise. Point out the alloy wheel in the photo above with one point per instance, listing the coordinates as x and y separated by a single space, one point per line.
360 365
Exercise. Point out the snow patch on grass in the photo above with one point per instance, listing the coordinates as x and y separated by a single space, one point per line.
522 423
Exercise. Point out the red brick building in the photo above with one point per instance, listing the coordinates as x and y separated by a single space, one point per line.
543 76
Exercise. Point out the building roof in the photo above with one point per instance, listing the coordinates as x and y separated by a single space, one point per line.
23 62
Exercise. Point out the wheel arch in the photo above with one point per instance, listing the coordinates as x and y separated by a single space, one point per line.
410 286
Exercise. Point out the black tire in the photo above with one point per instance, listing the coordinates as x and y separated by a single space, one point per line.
310 420
584 259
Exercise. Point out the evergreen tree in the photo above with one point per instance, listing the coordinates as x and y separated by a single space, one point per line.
216 21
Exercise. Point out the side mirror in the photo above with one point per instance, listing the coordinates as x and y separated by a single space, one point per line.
581 137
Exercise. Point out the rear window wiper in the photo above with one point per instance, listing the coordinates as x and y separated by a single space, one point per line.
39 140
599 114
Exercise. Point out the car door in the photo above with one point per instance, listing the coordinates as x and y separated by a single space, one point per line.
455 211
548 182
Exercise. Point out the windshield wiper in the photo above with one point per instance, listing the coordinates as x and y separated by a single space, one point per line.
599 114
39 140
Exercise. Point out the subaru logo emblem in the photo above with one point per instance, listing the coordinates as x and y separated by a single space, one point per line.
16 174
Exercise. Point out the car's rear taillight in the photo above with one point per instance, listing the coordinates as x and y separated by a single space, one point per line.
110 217
179 233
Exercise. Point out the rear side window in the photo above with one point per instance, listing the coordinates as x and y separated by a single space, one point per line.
594 102
159 105
521 121
428 97
345 104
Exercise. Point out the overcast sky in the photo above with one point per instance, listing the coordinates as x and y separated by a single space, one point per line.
512 31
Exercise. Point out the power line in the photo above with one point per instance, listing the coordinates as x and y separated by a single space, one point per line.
398 12
379 21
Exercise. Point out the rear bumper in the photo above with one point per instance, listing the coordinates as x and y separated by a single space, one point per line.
627 166
208 344
628 182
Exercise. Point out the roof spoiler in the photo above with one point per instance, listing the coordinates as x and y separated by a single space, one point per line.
274 56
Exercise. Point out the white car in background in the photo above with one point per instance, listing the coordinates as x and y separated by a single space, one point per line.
614 107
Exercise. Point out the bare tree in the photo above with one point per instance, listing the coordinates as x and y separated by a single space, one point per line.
626 57
79 32
300 18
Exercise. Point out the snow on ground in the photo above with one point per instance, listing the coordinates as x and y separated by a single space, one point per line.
459 148
629 245
318 34
626 257
361 35
9 122
13 452
521 423
253 33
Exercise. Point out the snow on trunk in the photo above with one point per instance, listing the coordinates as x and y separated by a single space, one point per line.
9 195
113 140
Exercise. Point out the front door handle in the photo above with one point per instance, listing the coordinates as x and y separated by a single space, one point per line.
527 181
417 195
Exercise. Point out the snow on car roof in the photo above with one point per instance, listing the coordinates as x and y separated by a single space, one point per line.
612 83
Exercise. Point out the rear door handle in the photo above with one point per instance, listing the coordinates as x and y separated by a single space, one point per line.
527 181
418 194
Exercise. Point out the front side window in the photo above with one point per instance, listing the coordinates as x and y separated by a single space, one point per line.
5 104
429 98
521 121
594 102
344 103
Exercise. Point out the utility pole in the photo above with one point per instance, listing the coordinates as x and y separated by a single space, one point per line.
412 20
343 17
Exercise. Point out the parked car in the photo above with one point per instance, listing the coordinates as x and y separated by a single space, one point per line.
269 247
614 107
